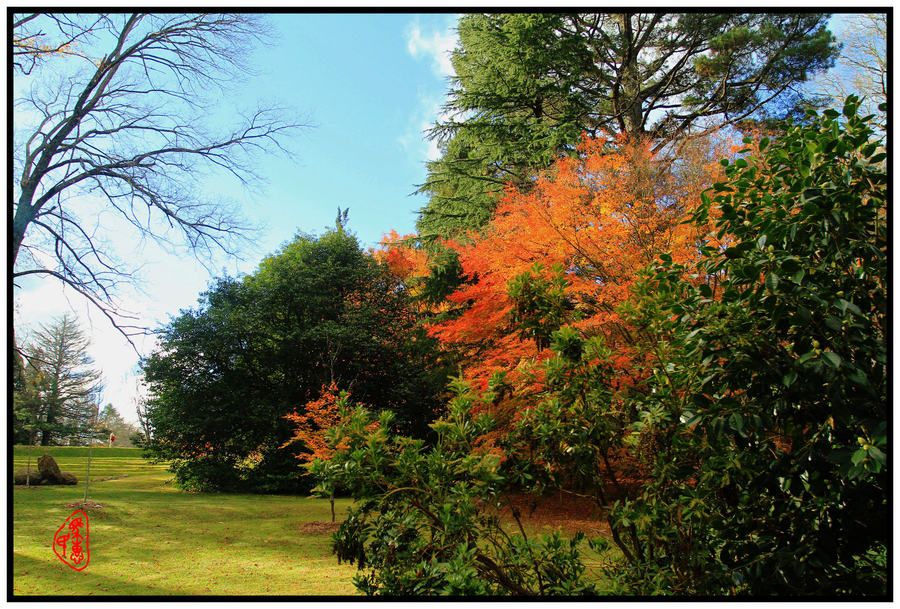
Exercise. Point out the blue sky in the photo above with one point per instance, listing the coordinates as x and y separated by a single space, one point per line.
369 84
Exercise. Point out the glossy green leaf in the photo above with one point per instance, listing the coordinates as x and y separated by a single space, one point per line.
832 358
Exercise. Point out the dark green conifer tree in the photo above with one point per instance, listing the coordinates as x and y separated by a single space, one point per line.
528 85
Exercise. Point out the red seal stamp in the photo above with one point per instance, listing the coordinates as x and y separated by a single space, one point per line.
70 543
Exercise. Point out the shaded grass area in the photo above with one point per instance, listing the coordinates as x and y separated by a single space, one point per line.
150 538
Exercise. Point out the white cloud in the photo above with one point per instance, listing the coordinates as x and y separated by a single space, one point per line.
414 141
434 44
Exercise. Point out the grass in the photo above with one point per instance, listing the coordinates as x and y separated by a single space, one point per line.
150 538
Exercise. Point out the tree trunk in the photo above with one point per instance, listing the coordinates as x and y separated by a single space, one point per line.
46 434
21 220
28 467
87 478
630 100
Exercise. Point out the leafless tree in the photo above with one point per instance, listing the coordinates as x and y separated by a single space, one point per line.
108 117
861 68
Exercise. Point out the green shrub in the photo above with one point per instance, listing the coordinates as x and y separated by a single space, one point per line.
427 519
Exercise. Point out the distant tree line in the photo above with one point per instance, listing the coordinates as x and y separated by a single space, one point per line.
56 392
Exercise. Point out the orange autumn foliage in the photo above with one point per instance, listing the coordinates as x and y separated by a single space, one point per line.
601 215
404 261
316 417
409 262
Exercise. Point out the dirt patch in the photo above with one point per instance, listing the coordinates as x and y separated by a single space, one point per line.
88 506
574 513
109 478
319 527
560 511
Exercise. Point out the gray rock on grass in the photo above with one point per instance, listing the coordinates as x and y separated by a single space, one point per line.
48 472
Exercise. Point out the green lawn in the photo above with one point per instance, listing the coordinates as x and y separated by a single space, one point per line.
150 538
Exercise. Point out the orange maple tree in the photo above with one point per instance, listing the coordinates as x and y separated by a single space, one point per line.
313 420
587 226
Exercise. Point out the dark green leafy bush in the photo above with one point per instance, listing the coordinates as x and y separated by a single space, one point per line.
226 374
769 391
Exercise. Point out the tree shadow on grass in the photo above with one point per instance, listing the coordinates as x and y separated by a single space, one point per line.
50 577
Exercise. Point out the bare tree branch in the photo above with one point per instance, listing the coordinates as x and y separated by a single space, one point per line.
27 47
862 67
112 114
